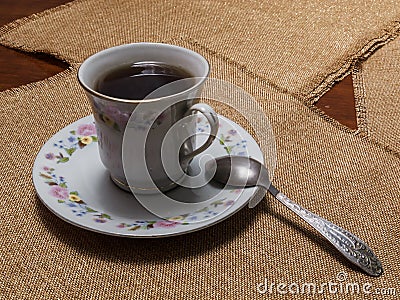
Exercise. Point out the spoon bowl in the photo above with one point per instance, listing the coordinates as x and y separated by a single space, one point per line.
240 171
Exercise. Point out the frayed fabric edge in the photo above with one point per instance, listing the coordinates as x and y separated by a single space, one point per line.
389 33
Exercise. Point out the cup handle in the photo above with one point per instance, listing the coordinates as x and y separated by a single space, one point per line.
212 119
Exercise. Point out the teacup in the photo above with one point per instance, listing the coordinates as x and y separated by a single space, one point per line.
160 126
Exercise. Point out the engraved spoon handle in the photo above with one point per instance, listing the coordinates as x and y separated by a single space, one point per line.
352 247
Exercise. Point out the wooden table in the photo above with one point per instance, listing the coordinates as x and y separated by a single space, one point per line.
18 68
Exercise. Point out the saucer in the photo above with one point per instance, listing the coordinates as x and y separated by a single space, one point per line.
72 183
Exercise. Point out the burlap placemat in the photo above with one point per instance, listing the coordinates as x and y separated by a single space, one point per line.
378 96
282 53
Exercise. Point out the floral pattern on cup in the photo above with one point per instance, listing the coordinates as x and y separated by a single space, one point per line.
113 117
84 135
116 118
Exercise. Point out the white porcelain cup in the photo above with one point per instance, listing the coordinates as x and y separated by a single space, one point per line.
156 124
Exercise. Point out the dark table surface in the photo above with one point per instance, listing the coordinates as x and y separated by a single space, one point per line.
18 68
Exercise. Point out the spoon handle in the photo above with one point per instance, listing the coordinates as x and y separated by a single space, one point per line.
353 248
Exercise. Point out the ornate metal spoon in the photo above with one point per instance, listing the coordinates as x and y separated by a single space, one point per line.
246 172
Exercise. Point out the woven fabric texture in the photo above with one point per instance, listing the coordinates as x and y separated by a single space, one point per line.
286 55
378 96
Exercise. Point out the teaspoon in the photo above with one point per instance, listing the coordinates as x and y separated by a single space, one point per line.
243 171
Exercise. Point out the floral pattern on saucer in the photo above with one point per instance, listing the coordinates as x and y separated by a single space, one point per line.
231 139
59 190
200 215
71 199
84 135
